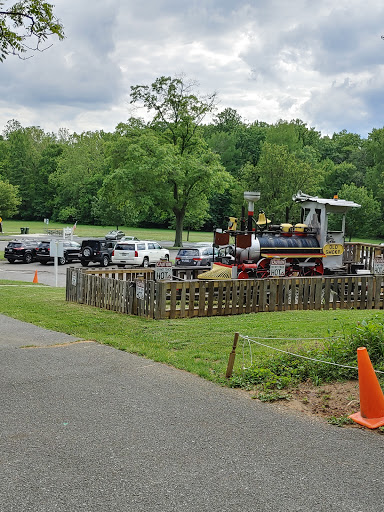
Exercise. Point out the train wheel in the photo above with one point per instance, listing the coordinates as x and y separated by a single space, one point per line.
262 269
291 267
315 268
243 275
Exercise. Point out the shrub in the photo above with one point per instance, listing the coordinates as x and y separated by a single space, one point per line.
282 370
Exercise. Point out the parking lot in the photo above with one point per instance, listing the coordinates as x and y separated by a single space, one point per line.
20 271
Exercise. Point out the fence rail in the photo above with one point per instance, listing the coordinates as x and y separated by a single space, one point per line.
363 255
118 290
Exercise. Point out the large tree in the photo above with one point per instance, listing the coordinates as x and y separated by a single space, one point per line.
26 26
168 165
157 180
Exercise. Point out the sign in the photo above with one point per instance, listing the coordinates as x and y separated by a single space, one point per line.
163 271
74 279
378 266
140 290
333 249
56 248
277 268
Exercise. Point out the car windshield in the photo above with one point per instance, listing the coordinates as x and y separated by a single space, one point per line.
188 252
15 244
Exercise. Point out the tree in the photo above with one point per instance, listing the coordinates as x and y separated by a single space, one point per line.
81 169
278 176
9 199
27 21
178 112
23 164
170 163
364 221
156 179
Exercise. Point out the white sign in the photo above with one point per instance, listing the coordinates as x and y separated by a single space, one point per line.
378 266
277 268
56 248
74 279
140 290
163 271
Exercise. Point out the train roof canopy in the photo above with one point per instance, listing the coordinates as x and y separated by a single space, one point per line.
301 197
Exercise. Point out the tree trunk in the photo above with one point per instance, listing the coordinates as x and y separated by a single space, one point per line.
179 228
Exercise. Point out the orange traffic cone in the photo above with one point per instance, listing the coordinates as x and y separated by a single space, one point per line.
35 280
371 413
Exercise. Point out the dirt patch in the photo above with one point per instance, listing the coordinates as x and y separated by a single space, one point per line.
329 400
336 400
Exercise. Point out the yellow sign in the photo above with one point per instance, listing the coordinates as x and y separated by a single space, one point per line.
333 249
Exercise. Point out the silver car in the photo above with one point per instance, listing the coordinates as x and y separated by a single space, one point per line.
193 256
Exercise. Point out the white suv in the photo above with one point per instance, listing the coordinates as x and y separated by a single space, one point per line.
140 252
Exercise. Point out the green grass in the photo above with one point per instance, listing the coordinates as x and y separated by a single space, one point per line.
199 345
12 227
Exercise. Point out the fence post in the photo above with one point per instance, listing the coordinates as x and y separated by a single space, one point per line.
232 355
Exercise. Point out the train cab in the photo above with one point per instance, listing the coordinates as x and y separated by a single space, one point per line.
326 219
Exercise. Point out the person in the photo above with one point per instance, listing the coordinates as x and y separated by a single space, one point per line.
1 225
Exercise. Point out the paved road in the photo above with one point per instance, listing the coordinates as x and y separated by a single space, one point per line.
20 271
85 427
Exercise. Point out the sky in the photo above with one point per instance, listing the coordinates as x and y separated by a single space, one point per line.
319 61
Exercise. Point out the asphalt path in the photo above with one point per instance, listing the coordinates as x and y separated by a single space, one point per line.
85 427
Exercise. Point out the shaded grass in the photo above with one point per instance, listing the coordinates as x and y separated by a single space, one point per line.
197 345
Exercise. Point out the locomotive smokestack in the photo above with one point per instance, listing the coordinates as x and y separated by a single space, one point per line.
252 198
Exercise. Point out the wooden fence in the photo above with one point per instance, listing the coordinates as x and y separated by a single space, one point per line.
133 292
361 255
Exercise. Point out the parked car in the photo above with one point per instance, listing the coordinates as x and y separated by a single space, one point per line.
114 235
192 256
141 252
71 252
128 238
24 250
96 251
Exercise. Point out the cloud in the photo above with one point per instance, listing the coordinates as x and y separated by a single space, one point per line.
317 61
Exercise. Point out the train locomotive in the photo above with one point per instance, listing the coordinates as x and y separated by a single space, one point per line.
259 249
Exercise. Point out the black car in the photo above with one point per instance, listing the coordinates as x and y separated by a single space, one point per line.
71 252
96 251
24 250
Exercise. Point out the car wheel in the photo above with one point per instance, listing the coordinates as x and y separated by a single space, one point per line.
62 260
145 262
11 261
85 263
87 251
28 258
105 261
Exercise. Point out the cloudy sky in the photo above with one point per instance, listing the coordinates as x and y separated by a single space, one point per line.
320 61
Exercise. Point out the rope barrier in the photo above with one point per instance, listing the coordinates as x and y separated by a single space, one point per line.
249 340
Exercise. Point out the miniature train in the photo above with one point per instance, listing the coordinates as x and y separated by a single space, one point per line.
259 249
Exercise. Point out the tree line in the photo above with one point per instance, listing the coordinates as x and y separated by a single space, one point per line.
182 171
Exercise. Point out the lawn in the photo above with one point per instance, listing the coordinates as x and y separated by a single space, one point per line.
12 227
199 345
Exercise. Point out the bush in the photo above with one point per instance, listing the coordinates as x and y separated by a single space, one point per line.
283 370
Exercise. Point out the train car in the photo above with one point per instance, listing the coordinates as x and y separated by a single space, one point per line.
312 247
